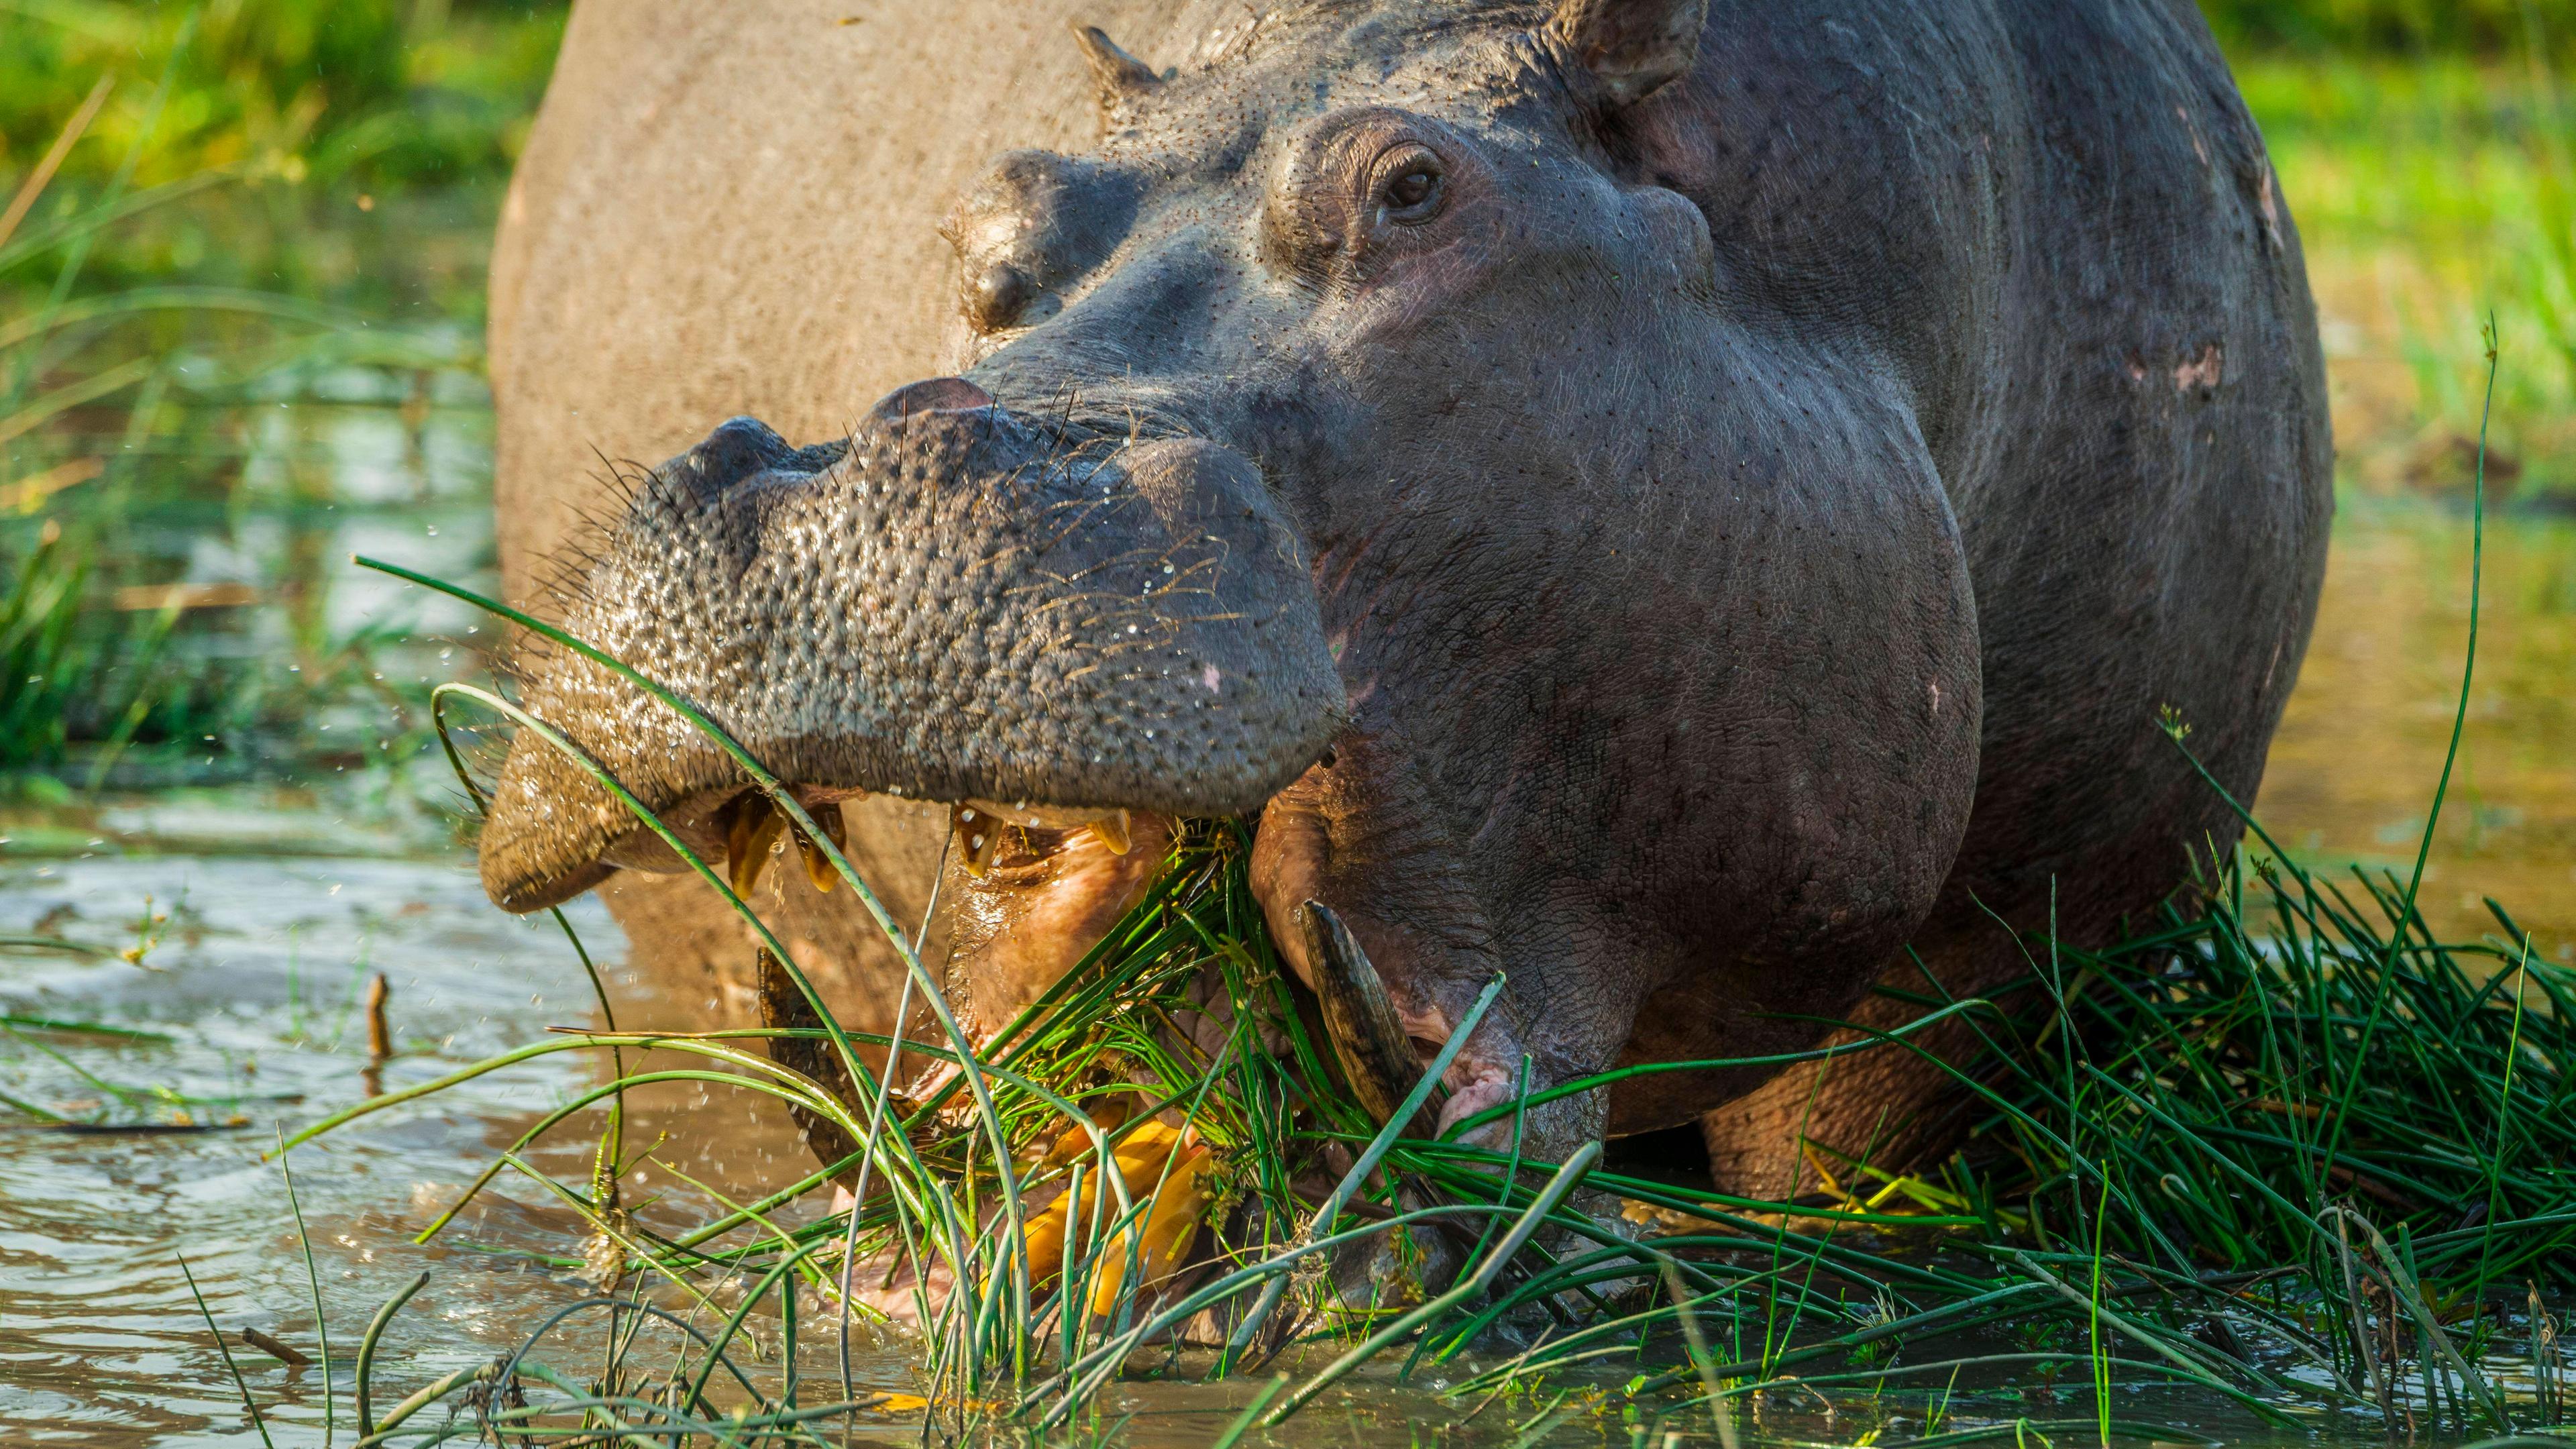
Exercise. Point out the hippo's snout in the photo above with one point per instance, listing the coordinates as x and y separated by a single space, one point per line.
956 604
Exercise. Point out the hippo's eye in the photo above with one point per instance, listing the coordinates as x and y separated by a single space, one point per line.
1408 185
1411 189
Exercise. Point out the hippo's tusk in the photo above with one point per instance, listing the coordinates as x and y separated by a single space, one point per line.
1377 1057
980 831
1117 76
818 866
783 1006
1114 831
754 830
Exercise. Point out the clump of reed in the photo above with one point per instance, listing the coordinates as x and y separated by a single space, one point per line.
2148 1201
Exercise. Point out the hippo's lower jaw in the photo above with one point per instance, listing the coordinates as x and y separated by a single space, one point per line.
1029 891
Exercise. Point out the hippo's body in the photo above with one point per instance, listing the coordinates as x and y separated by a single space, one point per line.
1747 506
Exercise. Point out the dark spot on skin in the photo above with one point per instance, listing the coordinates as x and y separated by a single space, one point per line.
999 297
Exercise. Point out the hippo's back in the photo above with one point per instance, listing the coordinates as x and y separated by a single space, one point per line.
2147 534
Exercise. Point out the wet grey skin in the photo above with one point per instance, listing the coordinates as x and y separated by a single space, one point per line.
1695 505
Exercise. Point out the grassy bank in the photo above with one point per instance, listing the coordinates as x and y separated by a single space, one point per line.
2283 1152
2390 27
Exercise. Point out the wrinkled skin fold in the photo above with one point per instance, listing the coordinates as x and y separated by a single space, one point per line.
1672 501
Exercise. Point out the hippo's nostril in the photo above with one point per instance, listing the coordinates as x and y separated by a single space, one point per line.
930 395
738 448
998 297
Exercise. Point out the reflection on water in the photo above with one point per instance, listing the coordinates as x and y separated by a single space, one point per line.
358 461
2353 769
252 999
248 1002
253 990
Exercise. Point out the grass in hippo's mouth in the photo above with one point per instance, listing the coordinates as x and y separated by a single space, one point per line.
2283 1149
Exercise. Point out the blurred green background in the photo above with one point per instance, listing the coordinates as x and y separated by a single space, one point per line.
240 336
240 330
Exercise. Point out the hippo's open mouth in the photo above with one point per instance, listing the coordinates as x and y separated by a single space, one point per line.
1070 640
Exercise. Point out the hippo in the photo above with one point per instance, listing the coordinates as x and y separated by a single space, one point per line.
1711 510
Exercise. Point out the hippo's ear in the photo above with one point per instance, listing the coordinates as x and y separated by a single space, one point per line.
1119 78
1630 46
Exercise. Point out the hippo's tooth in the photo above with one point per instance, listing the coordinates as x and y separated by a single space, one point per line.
818 866
755 829
1114 832
817 869
1377 1058
980 831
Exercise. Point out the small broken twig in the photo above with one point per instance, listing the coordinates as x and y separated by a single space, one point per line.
380 1036
281 1352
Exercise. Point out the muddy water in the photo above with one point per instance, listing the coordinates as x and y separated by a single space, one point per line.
248 991
2353 770
254 991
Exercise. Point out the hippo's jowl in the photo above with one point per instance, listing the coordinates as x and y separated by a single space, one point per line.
1672 500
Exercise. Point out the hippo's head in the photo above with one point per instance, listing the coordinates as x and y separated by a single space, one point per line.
1364 437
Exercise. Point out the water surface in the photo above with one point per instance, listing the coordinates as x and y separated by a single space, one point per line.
2354 768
